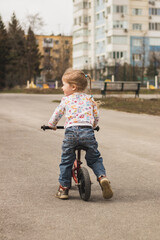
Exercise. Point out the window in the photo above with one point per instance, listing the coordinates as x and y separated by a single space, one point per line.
47 50
154 11
137 11
119 40
85 19
80 33
109 40
85 4
97 16
120 24
154 26
137 57
137 42
117 55
108 10
154 41
56 59
75 21
119 9
80 46
48 40
56 51
97 45
110 55
137 26
100 32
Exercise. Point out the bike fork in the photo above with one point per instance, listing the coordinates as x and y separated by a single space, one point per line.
76 167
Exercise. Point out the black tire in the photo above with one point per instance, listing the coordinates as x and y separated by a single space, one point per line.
84 184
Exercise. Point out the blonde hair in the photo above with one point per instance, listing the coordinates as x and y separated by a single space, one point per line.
77 77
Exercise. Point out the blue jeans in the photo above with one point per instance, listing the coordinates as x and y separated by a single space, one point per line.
75 136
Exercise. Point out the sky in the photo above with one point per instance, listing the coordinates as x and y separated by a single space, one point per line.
57 15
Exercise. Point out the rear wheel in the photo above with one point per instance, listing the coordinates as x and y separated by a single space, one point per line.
84 184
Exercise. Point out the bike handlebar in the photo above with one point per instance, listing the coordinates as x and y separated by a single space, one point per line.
62 127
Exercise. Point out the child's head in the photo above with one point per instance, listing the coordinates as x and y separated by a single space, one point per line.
77 78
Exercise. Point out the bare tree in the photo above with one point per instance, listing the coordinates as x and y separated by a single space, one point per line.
35 22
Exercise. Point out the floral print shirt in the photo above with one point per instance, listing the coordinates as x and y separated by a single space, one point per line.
79 109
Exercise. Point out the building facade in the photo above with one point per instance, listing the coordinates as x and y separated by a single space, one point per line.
56 54
107 32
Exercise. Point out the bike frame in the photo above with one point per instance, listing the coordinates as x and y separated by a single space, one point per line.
77 162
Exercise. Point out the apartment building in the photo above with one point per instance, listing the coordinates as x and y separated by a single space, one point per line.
107 32
56 54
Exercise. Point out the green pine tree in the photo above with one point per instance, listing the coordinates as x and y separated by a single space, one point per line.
3 53
33 55
17 67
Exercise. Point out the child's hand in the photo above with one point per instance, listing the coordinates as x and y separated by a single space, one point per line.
54 128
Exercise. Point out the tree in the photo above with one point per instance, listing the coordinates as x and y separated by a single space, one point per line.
126 72
61 61
33 55
17 67
35 22
3 53
152 69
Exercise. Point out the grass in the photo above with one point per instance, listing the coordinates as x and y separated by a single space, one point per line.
32 91
132 105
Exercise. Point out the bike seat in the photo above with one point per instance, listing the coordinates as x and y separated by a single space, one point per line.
81 148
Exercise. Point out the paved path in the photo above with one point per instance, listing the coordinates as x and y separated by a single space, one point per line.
29 167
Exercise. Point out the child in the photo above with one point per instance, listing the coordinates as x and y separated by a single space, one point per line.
81 118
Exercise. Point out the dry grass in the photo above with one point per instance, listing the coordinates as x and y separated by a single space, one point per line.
132 105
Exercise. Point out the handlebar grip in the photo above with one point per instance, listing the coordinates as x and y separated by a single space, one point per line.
60 127
45 127
48 128
97 128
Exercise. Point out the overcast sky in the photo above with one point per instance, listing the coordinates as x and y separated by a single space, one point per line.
56 14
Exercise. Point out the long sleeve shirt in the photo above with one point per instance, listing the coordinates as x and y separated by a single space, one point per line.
79 109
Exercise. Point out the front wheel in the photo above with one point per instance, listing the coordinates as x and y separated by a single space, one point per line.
84 184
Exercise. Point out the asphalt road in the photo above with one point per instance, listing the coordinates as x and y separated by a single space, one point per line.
29 169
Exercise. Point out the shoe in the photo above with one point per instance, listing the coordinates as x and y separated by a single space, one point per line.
106 187
62 192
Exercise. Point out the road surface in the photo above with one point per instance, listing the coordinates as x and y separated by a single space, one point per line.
29 169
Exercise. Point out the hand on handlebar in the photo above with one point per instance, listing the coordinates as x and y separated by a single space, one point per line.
54 128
